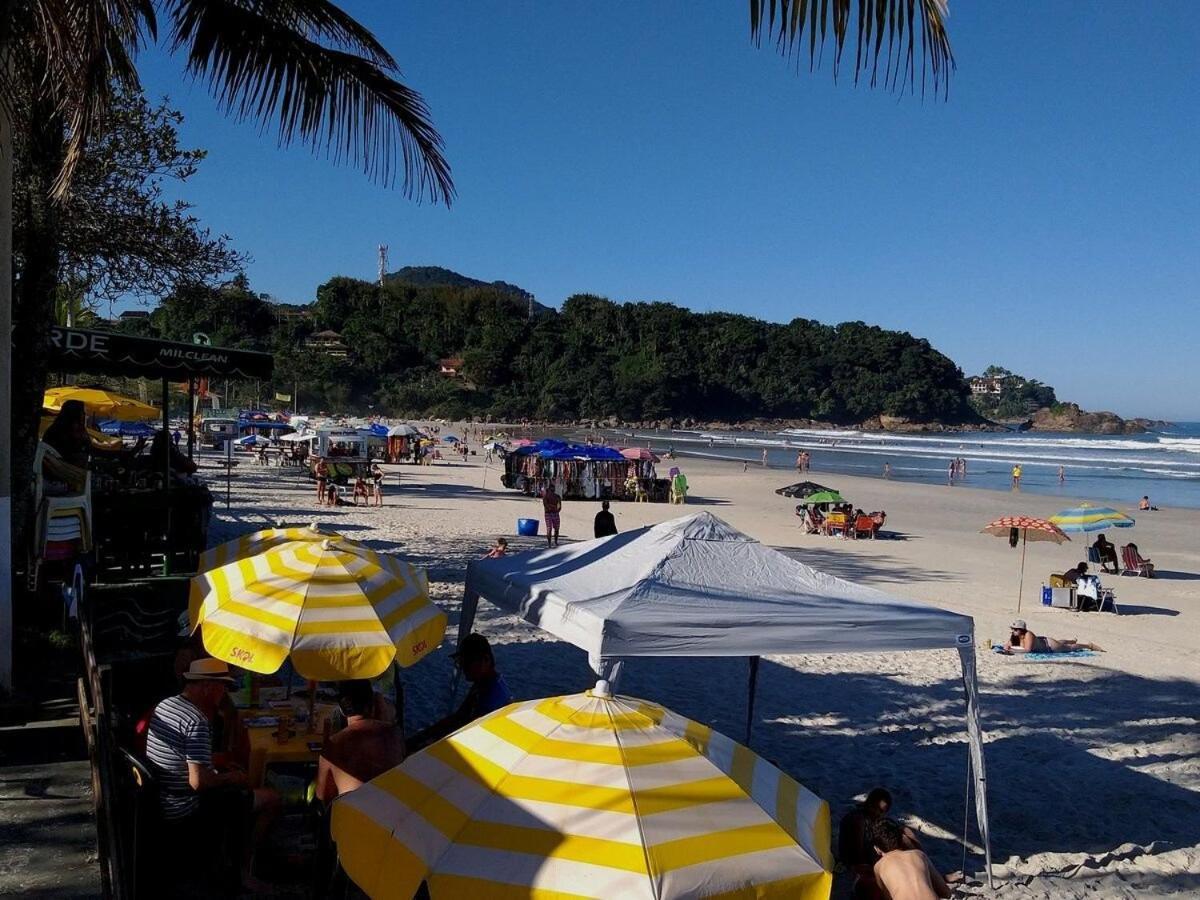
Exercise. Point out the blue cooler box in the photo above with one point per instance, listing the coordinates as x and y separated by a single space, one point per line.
527 527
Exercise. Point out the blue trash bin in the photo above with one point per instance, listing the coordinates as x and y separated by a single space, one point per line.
527 527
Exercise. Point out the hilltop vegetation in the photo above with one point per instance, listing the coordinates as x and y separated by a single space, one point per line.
594 359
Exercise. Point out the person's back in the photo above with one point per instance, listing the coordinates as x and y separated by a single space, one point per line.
902 872
605 524
364 749
909 875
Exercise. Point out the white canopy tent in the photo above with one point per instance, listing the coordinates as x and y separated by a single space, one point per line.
697 587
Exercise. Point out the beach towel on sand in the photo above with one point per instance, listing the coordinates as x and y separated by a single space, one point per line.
1050 657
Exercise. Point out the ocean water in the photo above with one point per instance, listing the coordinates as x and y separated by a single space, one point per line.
1119 469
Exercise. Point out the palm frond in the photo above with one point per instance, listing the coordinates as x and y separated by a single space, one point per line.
84 51
310 71
887 32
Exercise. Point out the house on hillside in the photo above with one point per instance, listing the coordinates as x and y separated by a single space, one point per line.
987 386
327 342
451 367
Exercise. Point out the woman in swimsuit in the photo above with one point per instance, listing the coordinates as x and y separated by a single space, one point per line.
1022 640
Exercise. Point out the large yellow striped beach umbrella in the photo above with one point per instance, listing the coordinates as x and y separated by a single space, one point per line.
589 795
337 609
257 542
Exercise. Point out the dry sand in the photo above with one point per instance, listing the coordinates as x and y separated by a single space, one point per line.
1093 763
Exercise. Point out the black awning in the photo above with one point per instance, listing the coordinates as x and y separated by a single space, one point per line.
109 353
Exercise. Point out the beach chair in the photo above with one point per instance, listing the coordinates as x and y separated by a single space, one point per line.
1133 563
864 526
837 523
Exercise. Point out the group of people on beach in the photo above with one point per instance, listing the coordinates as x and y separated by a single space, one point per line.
803 460
329 494
957 470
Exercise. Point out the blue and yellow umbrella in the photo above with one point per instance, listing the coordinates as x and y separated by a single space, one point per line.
1087 518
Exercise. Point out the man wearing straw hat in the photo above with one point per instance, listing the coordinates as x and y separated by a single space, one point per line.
194 796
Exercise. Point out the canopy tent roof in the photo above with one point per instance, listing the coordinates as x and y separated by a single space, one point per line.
697 587
403 430
112 353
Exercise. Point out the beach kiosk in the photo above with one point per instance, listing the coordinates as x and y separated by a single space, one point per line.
344 451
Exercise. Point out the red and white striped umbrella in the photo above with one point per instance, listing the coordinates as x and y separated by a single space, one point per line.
1031 529
1034 529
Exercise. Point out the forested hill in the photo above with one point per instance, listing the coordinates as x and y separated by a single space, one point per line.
594 359
436 276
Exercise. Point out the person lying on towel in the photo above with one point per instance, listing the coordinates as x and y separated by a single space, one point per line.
1022 640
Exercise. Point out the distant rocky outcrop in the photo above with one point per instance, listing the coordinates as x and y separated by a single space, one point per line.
1069 417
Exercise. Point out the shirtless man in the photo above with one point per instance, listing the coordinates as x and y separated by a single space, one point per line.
855 848
903 874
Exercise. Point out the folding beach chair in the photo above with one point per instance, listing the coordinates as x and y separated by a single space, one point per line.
1133 563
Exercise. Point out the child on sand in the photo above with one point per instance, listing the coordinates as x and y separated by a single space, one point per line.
360 490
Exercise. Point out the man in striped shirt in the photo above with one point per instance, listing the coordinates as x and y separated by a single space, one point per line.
192 792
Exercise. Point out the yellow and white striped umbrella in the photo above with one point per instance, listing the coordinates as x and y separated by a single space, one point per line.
588 795
257 542
338 609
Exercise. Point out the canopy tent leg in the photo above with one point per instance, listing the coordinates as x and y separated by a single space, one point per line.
966 655
750 698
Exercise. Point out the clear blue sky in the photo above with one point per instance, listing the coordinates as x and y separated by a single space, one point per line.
1046 217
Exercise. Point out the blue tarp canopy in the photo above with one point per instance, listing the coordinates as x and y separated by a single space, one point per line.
127 429
378 430
551 448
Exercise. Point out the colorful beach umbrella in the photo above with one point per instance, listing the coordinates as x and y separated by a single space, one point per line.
823 497
338 610
1086 518
1028 529
802 489
101 403
639 453
588 795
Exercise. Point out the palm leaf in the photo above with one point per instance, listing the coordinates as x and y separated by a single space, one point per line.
887 33
317 76
83 51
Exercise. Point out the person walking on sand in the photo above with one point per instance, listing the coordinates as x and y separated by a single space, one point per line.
764 457
952 471
1062 475
1016 477
887 470
552 507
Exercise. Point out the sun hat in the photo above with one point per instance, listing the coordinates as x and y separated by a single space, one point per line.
208 670
1019 625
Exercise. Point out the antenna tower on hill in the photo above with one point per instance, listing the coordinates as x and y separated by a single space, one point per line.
383 262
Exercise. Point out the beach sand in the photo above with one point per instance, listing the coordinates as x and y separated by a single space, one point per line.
1093 763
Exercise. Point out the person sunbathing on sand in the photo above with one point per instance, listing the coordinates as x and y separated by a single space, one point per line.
1022 640
903 873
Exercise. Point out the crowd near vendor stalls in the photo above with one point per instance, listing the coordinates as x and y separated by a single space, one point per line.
580 472
343 450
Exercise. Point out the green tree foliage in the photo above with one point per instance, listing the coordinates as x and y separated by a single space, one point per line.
593 359
1018 397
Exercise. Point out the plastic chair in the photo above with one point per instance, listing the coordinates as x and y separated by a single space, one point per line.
63 523
864 526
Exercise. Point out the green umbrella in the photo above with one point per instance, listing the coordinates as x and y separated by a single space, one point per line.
824 497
